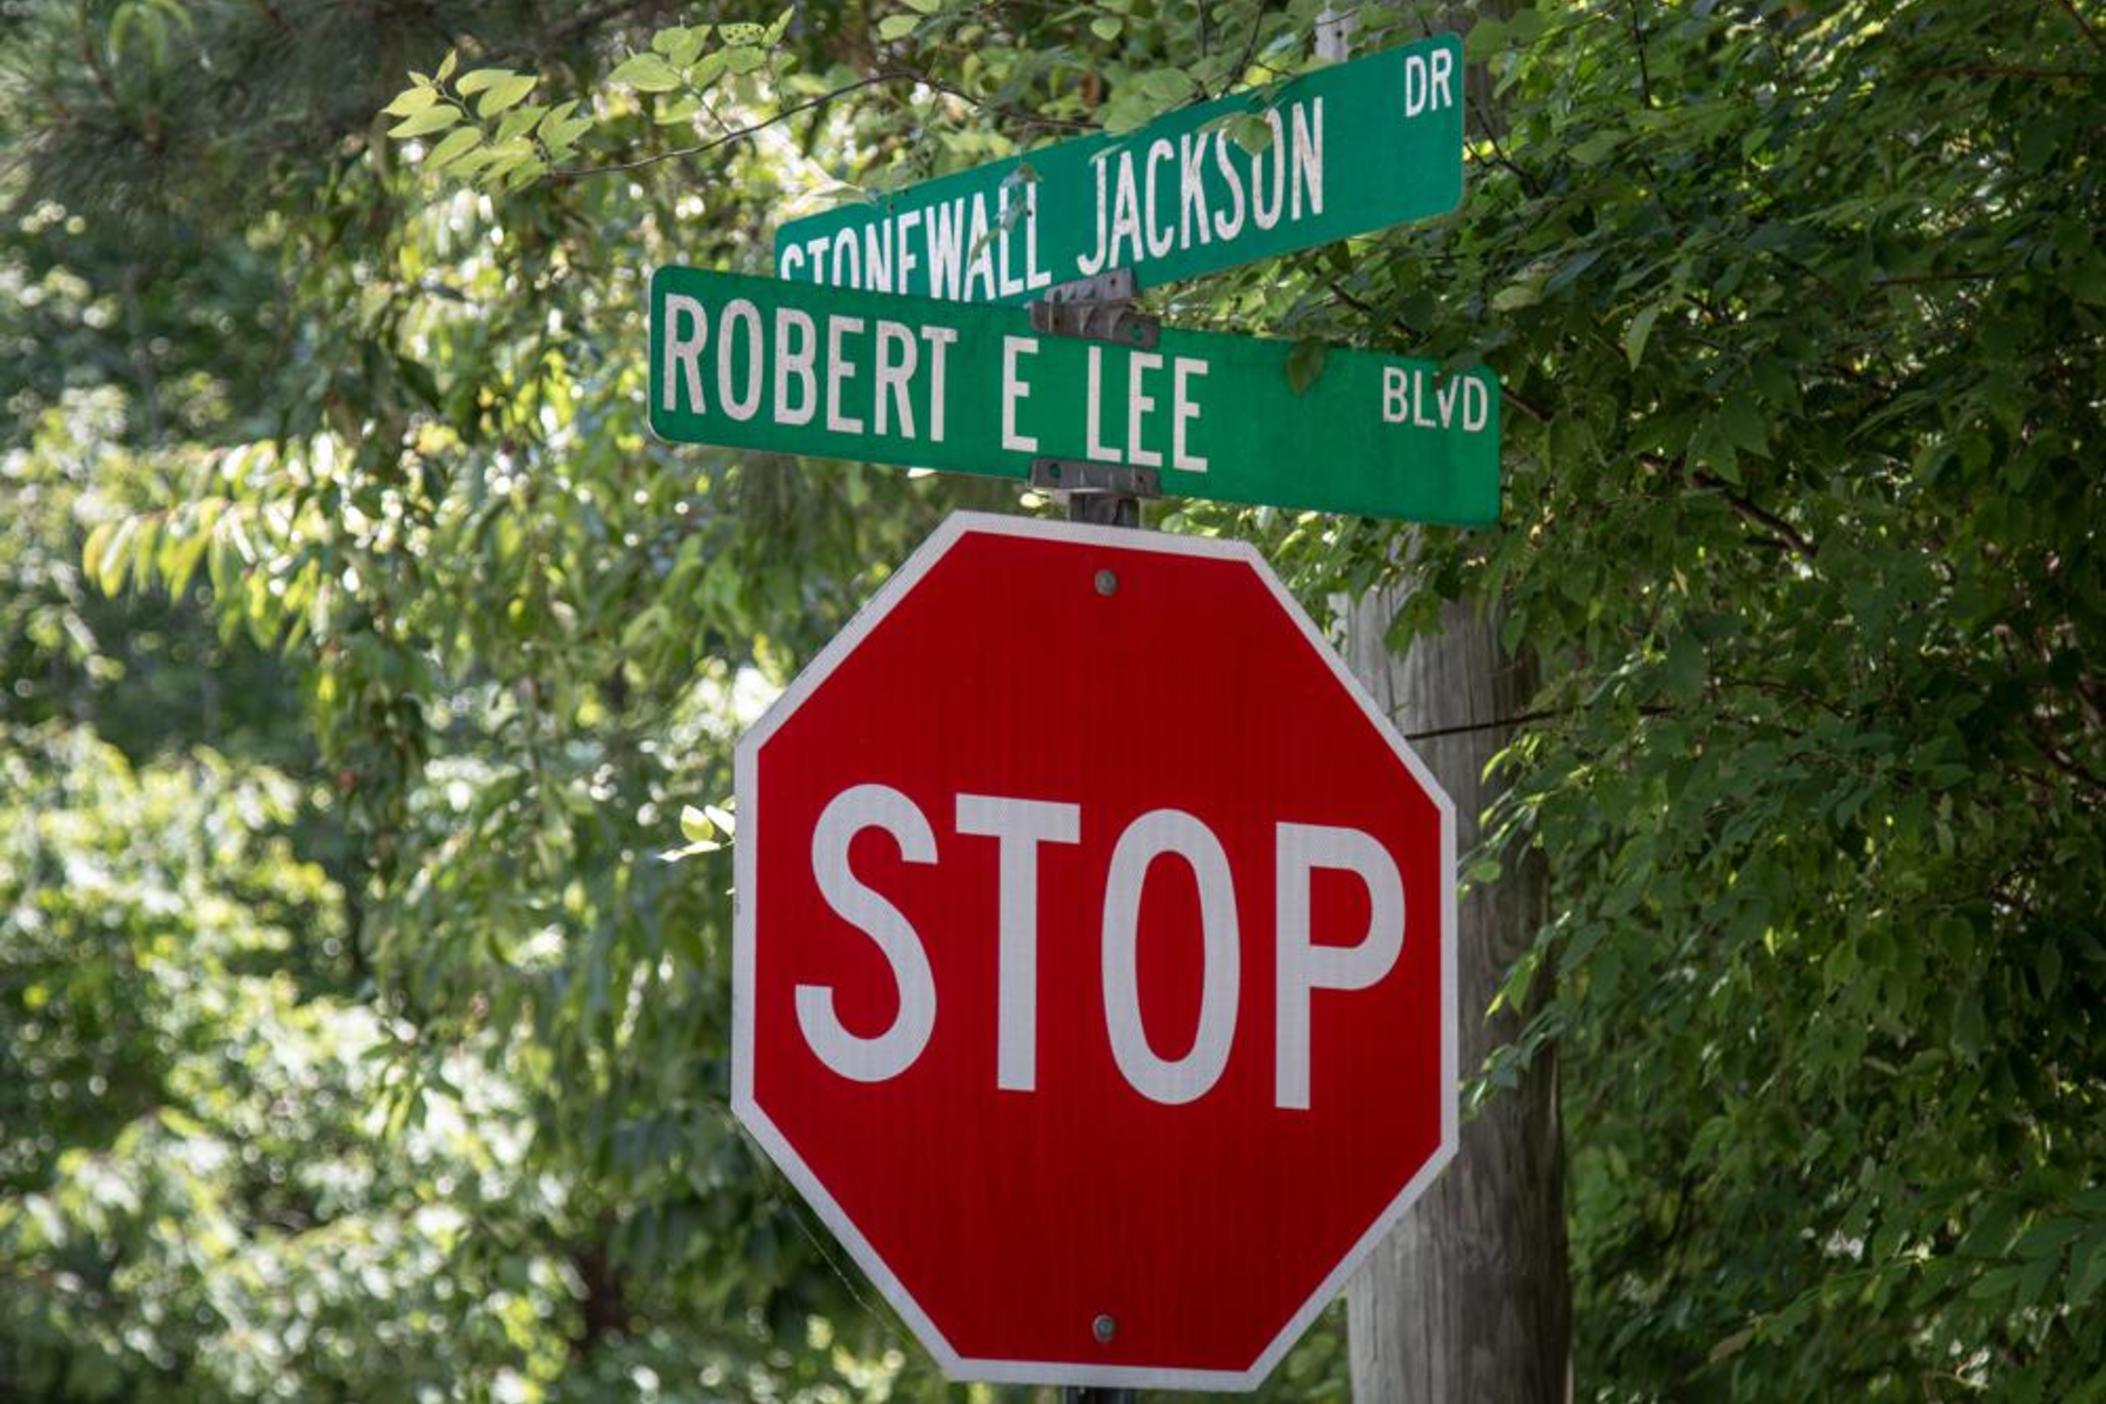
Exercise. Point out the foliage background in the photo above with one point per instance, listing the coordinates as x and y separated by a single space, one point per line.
370 675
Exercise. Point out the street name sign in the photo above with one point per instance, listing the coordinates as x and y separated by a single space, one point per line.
835 372
1354 147
1099 998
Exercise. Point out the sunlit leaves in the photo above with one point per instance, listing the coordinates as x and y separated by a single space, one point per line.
647 73
506 92
509 152
434 117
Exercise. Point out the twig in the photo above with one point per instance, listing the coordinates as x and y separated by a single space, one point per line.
1895 279
92 59
1647 709
1072 124
2060 758
1368 309
1755 512
1533 411
1645 76
2002 70
1250 46
2084 24
1528 182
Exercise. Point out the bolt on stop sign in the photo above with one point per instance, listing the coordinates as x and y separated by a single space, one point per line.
1094 956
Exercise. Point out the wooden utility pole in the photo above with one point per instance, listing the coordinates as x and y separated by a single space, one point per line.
1468 1298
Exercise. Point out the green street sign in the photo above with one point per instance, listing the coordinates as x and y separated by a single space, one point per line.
1354 147
828 372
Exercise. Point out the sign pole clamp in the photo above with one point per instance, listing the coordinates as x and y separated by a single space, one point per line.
1097 309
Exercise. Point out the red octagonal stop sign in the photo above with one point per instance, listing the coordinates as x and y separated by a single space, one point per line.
1094 956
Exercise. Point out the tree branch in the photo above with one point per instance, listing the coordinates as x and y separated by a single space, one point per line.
1785 532
1645 709
2002 70
2083 24
737 134
1250 47
1645 76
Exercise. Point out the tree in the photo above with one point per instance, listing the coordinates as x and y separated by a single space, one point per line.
1798 311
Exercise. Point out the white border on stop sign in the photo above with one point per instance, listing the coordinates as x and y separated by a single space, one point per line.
785 1156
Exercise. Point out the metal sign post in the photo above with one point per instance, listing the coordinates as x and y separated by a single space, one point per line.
1099 308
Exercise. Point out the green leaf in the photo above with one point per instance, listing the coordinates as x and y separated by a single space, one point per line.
448 64
467 168
1486 38
2087 1268
1683 670
2049 966
1251 132
1639 332
1168 85
707 71
927 7
1107 27
410 101
1732 1345
432 119
679 45
744 58
681 109
893 27
648 73
477 79
1305 363
1742 425
519 121
114 561
453 144
91 554
560 135
503 94
695 826
525 173
1597 148
1526 293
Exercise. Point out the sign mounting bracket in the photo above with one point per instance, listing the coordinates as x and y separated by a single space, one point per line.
1100 308
1096 309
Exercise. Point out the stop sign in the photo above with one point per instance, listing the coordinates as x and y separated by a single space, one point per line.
1094 956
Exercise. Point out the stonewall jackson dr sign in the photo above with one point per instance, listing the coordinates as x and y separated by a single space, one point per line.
1093 970
1354 147
830 372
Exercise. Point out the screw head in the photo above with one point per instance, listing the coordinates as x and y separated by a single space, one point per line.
1107 584
1104 1328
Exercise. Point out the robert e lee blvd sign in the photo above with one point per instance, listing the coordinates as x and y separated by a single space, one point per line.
1100 1001
838 373
1354 147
